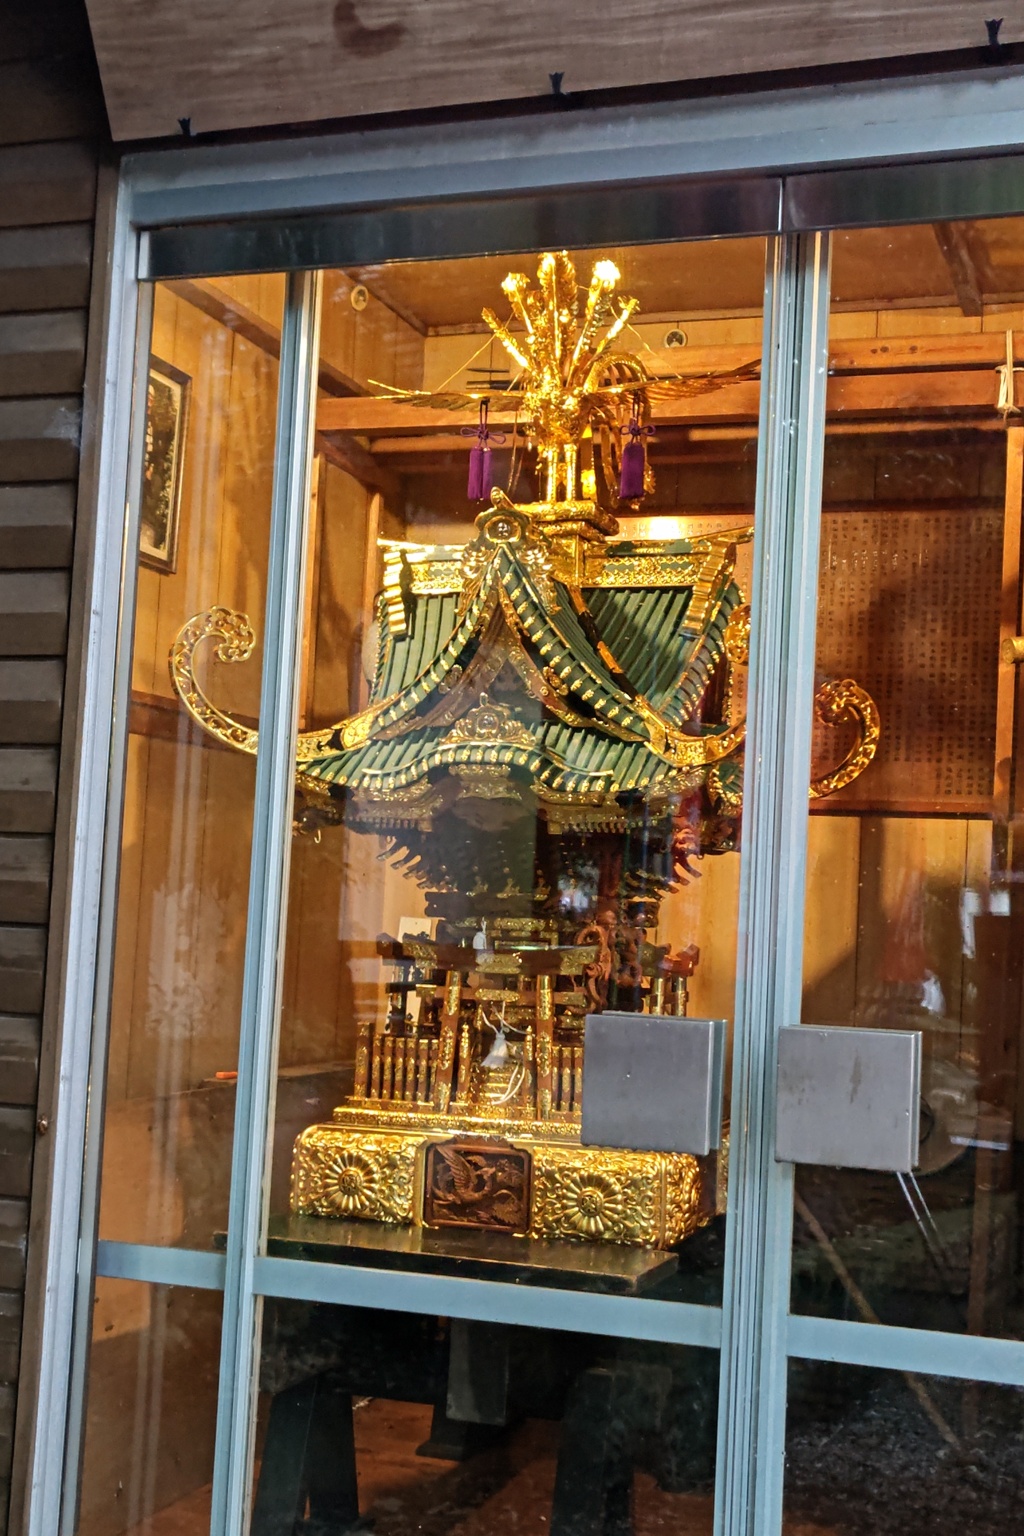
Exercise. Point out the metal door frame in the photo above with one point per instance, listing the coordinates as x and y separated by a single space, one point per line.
782 165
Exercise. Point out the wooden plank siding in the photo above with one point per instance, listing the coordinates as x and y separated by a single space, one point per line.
261 63
51 131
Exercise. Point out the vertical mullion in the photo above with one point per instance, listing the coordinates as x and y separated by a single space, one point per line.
59 1428
770 958
268 890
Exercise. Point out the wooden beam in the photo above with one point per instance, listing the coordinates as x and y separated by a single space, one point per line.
267 64
373 416
872 354
230 312
343 451
865 395
838 427
957 255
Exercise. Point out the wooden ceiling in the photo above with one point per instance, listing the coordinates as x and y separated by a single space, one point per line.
961 265
255 63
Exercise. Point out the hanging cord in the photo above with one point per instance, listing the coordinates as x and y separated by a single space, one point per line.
481 468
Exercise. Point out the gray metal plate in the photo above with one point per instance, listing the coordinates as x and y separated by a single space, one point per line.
849 1098
652 1083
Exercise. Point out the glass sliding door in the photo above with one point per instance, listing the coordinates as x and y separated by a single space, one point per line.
913 919
168 1098
487 851
515 854
912 897
529 789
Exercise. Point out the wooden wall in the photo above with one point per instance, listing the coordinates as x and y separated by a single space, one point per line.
52 129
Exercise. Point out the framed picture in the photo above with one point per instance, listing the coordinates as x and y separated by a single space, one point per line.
166 425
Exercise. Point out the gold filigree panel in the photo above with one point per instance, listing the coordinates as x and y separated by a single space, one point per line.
366 1176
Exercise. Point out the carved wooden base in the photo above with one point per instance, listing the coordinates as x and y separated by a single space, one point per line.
538 1184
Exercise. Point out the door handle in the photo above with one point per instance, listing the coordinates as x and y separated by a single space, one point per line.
652 1083
848 1098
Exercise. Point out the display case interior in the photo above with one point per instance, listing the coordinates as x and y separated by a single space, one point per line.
519 793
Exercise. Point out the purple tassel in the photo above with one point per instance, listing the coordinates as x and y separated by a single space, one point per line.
481 474
481 464
631 474
634 456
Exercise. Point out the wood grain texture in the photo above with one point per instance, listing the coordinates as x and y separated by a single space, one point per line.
36 526
17 1137
28 787
51 128
13 1239
856 394
47 183
39 438
19 1058
22 962
10 1334
33 613
46 267
229 66
30 701
42 354
24 881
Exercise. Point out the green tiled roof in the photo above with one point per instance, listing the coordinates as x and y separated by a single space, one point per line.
602 647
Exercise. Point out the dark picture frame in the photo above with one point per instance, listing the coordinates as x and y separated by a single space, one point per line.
167 404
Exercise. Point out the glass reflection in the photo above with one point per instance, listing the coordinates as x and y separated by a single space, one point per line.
520 758
914 916
151 1410
187 827
426 1425
872 1452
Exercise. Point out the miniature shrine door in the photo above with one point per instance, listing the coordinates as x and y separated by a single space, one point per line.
560 1050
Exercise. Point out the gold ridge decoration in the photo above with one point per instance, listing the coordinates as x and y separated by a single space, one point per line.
736 638
486 726
236 637
835 703
610 1197
372 1177
587 1194
574 389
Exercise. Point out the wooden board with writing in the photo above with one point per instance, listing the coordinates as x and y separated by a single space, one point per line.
909 606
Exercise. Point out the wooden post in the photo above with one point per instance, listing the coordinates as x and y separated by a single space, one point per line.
462 1076
545 1044
1008 768
422 1071
375 1063
565 1079
362 1072
389 1063
446 1044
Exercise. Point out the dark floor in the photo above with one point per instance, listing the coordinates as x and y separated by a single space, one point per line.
506 1491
